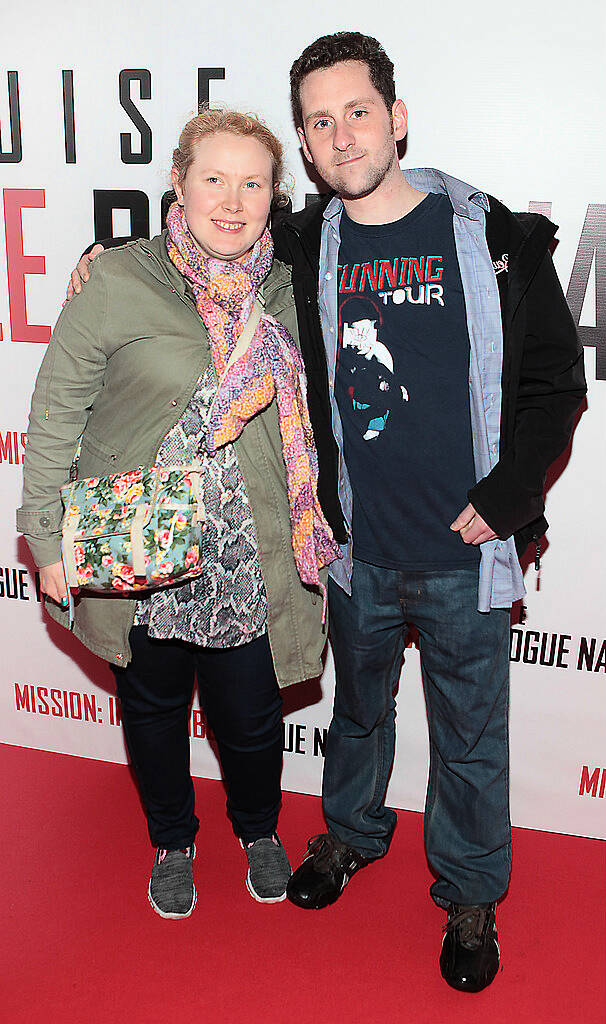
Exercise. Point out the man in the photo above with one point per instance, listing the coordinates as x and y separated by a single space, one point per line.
433 499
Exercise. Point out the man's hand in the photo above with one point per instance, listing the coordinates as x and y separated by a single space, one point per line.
53 583
472 527
80 274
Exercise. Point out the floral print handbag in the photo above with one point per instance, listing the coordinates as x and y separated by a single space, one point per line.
135 530
142 529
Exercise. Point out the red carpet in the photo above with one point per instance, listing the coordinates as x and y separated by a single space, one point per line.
80 943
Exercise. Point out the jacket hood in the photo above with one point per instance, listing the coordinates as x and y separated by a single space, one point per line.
537 235
525 238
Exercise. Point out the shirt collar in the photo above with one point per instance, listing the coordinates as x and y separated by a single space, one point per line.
466 200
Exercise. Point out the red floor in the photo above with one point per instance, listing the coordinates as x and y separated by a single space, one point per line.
79 942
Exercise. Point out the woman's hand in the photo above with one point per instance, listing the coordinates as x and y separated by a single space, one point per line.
53 583
80 274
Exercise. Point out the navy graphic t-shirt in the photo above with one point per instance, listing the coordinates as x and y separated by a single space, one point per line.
402 388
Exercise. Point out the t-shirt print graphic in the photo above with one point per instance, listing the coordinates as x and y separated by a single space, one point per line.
368 366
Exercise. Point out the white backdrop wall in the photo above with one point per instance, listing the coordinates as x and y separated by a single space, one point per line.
510 99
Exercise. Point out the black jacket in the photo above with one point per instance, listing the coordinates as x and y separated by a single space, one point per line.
543 381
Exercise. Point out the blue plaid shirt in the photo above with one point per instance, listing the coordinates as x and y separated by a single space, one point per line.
500 579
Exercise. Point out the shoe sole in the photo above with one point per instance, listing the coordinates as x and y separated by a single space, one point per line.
162 913
262 899
170 917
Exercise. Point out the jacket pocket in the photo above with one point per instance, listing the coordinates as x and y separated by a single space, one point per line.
98 459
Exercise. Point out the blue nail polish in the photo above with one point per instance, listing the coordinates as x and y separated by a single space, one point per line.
64 602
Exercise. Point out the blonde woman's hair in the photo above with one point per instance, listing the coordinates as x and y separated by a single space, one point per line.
210 122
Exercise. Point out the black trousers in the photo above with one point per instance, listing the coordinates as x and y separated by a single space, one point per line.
241 699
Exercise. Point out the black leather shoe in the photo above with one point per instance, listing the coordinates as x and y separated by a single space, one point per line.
470 950
324 873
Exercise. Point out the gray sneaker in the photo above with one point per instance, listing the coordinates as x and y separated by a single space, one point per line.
171 889
268 870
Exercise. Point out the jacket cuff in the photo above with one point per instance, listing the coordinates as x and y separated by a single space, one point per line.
40 523
42 531
44 552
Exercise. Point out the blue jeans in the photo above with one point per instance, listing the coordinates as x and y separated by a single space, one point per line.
465 668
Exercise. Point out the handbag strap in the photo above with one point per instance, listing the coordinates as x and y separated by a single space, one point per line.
243 342
247 334
68 556
240 349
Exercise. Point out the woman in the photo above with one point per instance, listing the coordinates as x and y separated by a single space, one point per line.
132 369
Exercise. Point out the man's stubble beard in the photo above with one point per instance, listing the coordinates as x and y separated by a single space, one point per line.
374 176
371 181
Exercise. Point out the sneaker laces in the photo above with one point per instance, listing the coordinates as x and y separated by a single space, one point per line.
328 853
472 922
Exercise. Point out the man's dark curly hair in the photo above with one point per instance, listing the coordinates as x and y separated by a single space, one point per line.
333 49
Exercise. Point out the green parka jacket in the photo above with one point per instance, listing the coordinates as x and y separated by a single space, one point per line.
120 369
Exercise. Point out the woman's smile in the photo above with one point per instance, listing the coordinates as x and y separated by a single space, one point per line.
228 225
226 194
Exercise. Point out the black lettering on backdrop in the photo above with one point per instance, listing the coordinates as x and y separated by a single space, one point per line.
106 200
143 76
587 655
563 650
205 76
532 648
600 665
319 741
293 738
592 247
69 126
13 584
14 156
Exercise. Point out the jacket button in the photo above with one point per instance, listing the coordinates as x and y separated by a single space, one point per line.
44 521
118 657
173 403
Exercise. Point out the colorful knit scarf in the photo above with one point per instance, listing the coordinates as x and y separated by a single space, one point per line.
225 294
